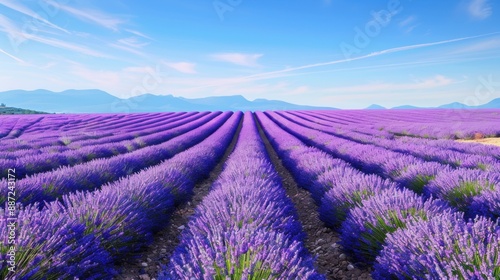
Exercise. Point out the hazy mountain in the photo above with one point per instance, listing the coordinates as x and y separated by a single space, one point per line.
97 101
493 104
74 101
375 107
407 107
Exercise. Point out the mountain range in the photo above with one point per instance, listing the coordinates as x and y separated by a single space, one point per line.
97 101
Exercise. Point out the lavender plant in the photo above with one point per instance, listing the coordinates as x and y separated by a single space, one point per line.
364 231
444 247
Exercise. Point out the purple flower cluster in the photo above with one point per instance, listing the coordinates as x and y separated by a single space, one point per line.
444 247
88 176
29 164
52 246
365 229
347 191
369 209
444 151
435 123
246 227
414 148
460 187
84 234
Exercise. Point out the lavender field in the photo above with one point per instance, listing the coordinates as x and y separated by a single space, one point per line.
351 194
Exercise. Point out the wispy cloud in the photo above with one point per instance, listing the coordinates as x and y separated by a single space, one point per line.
16 6
69 46
248 60
8 27
480 9
137 33
127 49
97 17
14 57
436 81
131 45
408 24
491 44
17 36
280 73
183 67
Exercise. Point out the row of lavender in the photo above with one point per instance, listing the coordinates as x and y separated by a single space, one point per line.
84 235
51 133
435 123
88 176
29 163
246 227
406 235
474 191
370 135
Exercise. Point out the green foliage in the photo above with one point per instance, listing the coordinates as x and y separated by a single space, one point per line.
459 196
17 111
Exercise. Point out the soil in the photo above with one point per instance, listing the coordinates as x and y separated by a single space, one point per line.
487 141
321 241
157 254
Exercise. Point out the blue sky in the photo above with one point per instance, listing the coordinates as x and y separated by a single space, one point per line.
339 53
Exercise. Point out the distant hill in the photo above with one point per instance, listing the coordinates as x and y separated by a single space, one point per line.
406 107
375 107
97 101
493 104
17 111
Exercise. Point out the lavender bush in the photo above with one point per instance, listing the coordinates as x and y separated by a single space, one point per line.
444 247
364 231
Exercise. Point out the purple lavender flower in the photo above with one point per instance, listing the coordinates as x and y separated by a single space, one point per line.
348 191
364 231
444 247
460 186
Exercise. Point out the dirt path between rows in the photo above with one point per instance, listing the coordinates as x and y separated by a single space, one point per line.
486 141
149 261
321 241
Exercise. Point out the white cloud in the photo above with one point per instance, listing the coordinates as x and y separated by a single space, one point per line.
93 16
14 33
183 67
248 60
130 44
408 24
128 49
490 44
480 9
407 21
277 73
133 42
137 33
436 81
17 37
16 6
14 57
69 46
